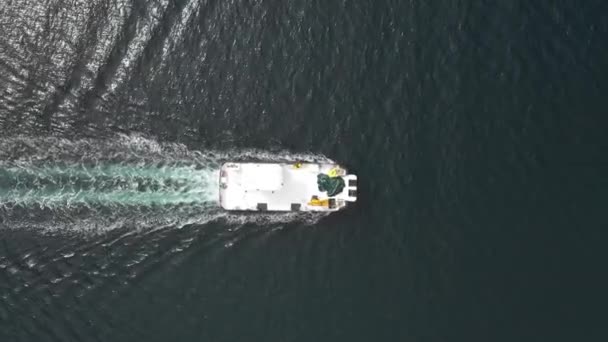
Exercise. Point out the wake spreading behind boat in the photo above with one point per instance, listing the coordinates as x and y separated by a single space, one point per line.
286 187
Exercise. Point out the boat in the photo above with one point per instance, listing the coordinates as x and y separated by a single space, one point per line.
282 187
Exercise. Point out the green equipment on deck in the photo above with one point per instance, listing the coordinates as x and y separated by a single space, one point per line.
333 185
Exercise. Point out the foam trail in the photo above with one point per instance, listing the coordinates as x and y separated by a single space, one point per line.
106 185
96 185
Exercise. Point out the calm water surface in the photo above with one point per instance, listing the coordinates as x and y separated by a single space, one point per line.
477 130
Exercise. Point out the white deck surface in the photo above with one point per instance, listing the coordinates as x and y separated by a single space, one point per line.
277 185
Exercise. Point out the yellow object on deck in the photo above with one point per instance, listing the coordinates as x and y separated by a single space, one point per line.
333 172
297 165
317 202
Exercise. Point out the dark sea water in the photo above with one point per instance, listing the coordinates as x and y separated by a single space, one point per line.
477 129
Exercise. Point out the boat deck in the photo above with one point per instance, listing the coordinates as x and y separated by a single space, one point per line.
272 187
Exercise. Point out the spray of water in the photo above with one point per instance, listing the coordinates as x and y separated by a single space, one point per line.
92 185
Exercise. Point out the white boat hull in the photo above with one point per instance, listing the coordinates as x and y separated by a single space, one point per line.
283 187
